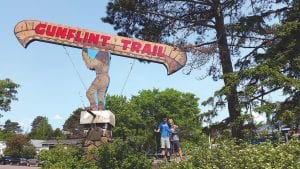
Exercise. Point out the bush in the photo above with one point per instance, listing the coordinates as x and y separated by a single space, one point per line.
117 155
64 157
28 151
229 155
19 146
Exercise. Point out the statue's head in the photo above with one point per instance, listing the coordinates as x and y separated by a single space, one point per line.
103 57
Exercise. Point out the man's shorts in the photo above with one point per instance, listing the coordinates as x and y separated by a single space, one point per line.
165 142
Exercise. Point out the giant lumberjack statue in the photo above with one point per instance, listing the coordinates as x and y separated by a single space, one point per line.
101 65
171 57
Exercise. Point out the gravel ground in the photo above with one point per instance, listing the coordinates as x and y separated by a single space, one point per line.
17 167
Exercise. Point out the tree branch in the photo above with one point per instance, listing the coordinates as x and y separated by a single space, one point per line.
264 93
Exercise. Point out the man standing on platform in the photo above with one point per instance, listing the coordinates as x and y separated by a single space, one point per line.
164 130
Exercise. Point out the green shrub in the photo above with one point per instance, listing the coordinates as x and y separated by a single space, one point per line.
228 155
119 155
63 157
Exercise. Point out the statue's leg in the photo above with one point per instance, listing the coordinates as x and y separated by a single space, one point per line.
102 92
101 100
90 95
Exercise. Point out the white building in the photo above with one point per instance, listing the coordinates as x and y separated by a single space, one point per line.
2 147
38 144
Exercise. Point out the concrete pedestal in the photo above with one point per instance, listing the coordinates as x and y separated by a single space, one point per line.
98 125
101 117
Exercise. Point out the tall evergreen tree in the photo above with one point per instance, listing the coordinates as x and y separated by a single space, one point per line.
276 70
12 127
41 129
36 121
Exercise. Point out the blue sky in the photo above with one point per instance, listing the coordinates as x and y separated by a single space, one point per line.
49 83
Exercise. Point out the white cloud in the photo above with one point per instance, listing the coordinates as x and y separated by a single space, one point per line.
26 127
57 117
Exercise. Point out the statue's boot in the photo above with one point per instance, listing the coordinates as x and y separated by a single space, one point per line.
100 106
93 107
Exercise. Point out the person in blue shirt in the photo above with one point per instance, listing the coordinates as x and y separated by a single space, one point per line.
164 130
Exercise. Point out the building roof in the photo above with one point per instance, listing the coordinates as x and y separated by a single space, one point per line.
37 143
69 142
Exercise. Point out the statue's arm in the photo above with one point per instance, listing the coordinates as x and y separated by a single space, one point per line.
89 63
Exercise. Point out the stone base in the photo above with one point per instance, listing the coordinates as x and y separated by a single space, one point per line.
89 144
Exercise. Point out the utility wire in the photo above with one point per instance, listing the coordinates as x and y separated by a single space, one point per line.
127 77
81 99
75 68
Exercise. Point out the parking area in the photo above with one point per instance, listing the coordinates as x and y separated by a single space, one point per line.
17 167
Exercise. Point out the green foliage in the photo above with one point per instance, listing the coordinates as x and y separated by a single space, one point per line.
72 125
10 131
116 103
119 155
139 116
19 146
57 134
276 70
228 155
4 135
12 127
36 122
8 91
41 129
62 156
115 155
28 151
